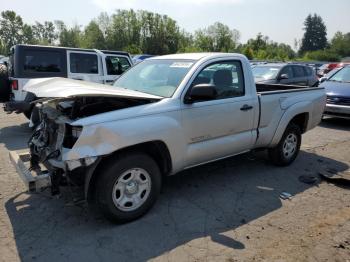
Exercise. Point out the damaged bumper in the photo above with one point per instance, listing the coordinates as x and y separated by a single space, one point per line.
34 180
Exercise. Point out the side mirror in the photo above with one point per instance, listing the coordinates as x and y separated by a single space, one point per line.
283 76
201 92
322 79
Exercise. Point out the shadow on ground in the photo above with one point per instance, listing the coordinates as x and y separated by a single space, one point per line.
336 123
203 202
15 137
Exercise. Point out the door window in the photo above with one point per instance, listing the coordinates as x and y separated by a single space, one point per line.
117 65
227 77
83 63
298 71
287 70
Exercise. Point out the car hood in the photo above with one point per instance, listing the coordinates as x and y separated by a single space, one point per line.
336 88
63 87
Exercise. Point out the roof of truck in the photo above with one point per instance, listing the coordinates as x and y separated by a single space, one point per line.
196 56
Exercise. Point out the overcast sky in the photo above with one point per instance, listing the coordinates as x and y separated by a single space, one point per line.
282 21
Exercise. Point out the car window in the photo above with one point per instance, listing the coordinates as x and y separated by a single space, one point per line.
265 72
83 63
298 71
159 77
227 77
117 65
287 70
343 75
42 61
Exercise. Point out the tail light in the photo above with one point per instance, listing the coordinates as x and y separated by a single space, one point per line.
14 84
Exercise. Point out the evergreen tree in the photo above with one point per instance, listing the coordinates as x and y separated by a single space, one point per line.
315 36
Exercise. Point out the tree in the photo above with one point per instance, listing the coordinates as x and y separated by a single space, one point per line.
11 29
217 38
340 44
93 37
70 37
315 36
45 33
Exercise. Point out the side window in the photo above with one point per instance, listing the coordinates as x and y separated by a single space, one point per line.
117 65
42 61
227 77
83 63
309 70
298 71
287 70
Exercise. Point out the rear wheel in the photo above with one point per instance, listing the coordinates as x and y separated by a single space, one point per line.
128 187
4 84
288 148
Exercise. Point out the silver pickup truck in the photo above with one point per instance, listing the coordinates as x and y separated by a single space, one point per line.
162 116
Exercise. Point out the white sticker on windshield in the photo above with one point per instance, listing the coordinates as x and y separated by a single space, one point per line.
181 64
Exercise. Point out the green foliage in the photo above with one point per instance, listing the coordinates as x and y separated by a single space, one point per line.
45 33
11 29
93 37
315 36
217 37
146 32
261 48
340 44
322 55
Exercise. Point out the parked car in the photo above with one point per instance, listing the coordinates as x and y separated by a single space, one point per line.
162 116
139 58
287 74
4 83
31 62
338 93
326 68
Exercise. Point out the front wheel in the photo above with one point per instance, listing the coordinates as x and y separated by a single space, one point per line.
288 148
128 187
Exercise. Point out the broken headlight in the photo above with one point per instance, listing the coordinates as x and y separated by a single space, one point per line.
71 135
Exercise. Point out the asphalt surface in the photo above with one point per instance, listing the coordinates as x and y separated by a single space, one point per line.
226 211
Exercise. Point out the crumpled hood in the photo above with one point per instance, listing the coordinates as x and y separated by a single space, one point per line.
63 87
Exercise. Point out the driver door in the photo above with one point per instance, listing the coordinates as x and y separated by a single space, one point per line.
223 126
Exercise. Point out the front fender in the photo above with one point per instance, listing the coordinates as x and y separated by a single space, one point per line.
108 137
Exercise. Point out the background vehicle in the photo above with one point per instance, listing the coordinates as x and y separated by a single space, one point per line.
162 116
31 62
287 74
338 93
138 58
5 89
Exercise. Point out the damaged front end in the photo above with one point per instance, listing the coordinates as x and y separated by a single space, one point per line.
56 135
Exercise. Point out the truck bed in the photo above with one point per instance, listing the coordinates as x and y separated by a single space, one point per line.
261 88
275 100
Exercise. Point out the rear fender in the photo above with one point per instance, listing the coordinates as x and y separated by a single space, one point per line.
289 114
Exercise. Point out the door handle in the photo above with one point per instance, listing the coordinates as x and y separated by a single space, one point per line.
246 107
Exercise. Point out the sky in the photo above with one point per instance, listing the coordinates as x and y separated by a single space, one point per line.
281 20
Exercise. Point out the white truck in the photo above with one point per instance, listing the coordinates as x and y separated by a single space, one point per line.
164 115
28 62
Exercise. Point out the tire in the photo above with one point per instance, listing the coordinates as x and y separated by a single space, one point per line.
288 148
5 89
125 180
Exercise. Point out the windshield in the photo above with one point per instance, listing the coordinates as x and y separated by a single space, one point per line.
265 72
343 75
156 77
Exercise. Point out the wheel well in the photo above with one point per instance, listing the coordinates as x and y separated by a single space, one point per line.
155 149
301 121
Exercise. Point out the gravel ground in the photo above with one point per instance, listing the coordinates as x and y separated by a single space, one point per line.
226 211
